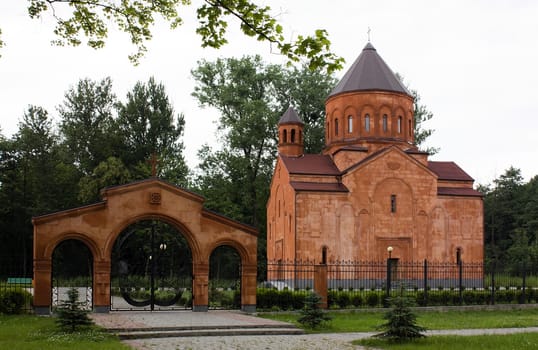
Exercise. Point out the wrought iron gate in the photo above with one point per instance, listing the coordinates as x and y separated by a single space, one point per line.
151 268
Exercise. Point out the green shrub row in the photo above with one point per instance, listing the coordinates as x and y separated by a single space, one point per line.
14 301
272 299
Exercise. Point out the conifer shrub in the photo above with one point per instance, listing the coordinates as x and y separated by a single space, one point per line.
312 316
71 315
401 322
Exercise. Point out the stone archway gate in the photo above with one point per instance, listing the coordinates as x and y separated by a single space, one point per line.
98 225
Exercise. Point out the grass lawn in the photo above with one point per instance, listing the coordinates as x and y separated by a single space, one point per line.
521 341
33 332
368 321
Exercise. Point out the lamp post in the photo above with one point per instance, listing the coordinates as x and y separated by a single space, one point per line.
389 272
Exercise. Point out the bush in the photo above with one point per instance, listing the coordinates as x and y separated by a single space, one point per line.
13 301
372 299
312 315
343 300
356 300
71 316
401 322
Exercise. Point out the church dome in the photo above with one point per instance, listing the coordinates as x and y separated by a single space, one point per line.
369 72
369 108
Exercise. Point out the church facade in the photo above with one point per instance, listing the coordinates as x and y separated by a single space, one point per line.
371 190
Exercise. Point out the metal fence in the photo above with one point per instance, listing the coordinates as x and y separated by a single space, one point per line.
15 276
370 283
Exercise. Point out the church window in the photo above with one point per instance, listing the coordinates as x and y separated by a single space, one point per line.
285 136
399 125
292 135
410 131
385 122
393 203
349 124
300 136
336 127
367 123
458 255
324 255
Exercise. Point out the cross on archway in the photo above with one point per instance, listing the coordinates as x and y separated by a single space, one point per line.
153 161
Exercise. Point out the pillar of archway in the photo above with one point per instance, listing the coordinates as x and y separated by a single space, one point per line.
98 225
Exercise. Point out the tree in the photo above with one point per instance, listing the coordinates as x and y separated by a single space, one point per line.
88 122
421 115
71 315
312 315
306 90
401 322
149 126
91 19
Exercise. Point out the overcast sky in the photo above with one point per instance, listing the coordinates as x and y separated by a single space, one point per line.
472 62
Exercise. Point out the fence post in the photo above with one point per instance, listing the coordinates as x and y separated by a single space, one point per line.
493 282
425 282
460 280
389 278
320 284
523 298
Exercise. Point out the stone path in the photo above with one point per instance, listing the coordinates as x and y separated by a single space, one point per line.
216 319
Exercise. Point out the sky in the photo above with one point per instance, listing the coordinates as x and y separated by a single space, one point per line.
472 62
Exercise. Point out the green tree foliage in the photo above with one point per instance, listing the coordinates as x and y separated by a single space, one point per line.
401 322
148 125
421 115
91 20
87 123
71 315
511 216
312 315
306 90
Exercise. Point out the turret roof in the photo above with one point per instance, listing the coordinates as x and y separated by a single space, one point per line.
369 72
290 117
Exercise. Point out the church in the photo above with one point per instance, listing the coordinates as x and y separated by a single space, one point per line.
371 194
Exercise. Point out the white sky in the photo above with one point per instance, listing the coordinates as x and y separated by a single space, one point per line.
472 62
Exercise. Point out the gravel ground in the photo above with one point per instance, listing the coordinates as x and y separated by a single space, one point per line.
280 342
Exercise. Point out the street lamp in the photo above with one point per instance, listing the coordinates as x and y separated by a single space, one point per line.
162 246
390 249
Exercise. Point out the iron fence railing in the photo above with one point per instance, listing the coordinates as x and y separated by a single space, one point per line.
369 283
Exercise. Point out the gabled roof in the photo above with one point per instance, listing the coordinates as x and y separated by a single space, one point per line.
369 72
449 171
318 186
310 164
458 191
290 117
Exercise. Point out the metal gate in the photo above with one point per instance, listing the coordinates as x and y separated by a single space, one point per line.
151 268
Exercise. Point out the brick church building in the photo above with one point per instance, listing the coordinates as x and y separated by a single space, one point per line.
371 188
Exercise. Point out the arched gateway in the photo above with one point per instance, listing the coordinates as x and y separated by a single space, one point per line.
99 225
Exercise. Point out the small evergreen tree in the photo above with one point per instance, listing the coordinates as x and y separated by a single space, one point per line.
401 322
312 315
71 315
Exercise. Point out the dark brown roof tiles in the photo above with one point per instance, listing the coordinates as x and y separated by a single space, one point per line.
318 186
449 171
311 164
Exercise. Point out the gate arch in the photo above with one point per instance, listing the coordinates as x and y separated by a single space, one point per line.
99 225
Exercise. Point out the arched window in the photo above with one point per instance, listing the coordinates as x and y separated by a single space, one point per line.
285 136
336 127
410 129
385 123
458 255
349 124
367 122
393 203
292 135
300 136
399 125
324 255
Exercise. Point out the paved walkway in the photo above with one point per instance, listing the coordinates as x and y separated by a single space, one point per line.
117 320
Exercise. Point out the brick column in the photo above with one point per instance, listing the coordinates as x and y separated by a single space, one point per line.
101 286
200 287
248 288
42 286
320 284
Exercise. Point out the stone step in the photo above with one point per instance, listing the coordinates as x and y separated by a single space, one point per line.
198 327
207 332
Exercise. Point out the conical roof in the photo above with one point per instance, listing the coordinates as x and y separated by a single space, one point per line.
290 117
369 72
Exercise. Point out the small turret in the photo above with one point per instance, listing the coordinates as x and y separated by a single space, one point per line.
290 134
